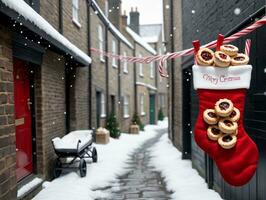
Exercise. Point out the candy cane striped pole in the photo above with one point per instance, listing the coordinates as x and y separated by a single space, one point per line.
247 46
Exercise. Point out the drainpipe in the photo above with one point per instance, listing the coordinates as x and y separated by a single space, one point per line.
89 67
135 80
119 80
60 16
172 69
107 72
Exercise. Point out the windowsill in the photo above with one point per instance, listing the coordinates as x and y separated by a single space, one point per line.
126 116
103 116
143 113
76 23
125 72
141 75
114 66
152 77
102 60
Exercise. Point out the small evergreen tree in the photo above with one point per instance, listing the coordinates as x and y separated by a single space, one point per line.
136 120
160 115
113 126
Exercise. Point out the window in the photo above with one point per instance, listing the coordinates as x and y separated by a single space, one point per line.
103 113
142 112
140 68
126 107
101 41
125 63
75 12
106 8
152 69
114 51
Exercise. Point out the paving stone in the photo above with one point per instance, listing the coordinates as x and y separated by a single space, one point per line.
141 181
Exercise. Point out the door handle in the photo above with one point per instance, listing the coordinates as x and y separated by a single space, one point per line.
29 103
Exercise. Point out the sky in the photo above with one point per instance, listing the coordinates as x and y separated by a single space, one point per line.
150 10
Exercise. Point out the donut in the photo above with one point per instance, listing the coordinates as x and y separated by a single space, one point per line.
227 126
224 107
235 115
227 141
210 116
229 49
214 132
205 57
240 59
221 59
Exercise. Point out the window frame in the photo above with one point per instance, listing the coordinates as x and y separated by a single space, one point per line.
152 71
142 109
126 107
75 12
114 51
103 107
141 67
125 64
101 41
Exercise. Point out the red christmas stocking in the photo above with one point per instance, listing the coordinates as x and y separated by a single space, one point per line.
236 164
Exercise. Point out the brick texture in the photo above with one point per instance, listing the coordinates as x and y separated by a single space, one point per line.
50 110
7 128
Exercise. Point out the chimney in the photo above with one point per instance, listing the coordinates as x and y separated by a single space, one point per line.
134 20
115 7
124 19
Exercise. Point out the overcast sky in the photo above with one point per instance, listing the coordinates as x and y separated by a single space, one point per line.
150 10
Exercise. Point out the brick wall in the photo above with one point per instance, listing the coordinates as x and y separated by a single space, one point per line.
98 77
127 88
50 109
7 127
79 102
49 10
78 35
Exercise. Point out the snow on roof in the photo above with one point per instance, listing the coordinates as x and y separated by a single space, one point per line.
111 26
146 85
28 13
140 40
150 32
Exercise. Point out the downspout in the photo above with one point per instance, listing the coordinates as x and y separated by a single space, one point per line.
60 16
119 80
172 69
107 71
135 81
89 67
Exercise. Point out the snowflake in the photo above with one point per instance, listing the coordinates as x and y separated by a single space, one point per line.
167 6
237 11
193 11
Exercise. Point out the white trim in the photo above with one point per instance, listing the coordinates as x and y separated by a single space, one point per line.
114 51
152 71
140 67
103 111
101 42
125 64
141 101
75 12
216 78
146 85
126 106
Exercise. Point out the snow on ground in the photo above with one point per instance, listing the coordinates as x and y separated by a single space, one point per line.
111 164
179 176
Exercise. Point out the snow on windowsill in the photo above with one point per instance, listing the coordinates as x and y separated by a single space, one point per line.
126 116
28 187
146 85
103 116
125 72
22 8
143 114
102 60
76 23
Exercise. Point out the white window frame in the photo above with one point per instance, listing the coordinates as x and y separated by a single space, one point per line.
141 99
101 41
106 9
125 67
75 12
114 51
141 67
126 106
152 70
103 107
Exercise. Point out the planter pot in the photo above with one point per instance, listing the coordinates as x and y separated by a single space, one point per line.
102 136
134 129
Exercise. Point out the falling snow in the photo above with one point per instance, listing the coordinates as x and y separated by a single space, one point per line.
237 11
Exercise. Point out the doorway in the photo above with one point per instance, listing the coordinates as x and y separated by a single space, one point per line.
23 119
152 108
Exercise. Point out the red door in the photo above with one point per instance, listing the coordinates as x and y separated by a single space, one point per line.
23 119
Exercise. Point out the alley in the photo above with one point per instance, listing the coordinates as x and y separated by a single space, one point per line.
141 182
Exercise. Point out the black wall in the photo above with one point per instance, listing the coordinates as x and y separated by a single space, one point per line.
204 20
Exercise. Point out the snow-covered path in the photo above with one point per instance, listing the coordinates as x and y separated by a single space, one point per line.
110 165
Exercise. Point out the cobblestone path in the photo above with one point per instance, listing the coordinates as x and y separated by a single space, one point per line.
141 182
